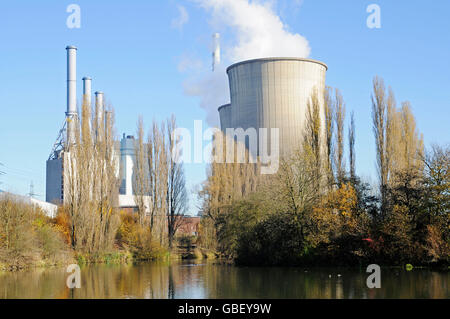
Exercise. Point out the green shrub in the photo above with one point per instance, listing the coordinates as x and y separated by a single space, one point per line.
275 241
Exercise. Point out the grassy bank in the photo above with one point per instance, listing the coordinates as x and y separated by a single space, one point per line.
29 239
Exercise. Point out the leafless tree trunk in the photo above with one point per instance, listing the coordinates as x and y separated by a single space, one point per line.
91 193
177 199
379 110
157 163
340 119
399 145
313 138
351 146
141 174
405 143
329 131
226 183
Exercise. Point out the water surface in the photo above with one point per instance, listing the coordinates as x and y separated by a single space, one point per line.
209 280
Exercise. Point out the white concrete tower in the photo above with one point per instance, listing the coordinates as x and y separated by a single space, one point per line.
71 113
87 91
127 158
273 93
99 105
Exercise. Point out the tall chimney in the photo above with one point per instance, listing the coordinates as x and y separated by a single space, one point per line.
99 106
87 85
71 114
216 51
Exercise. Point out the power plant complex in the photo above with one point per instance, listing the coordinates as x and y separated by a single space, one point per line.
271 93
58 161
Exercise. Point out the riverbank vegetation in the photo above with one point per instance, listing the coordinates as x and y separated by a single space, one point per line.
314 211
95 226
89 227
29 237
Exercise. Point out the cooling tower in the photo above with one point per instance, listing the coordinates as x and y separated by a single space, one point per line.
225 116
273 93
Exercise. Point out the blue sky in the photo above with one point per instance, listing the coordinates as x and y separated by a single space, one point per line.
133 51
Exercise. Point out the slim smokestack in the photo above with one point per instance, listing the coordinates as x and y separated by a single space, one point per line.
99 106
71 114
87 85
216 51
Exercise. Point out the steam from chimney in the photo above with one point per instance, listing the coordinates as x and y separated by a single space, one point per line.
256 32
259 31
216 51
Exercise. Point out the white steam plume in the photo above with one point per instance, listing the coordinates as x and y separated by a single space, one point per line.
259 30
182 19
258 33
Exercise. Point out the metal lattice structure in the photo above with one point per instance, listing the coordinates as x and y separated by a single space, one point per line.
59 144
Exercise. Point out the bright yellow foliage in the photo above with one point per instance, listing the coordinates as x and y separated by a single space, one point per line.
338 211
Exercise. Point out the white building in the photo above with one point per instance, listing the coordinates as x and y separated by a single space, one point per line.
48 208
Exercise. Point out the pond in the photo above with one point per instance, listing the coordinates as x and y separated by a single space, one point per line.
192 280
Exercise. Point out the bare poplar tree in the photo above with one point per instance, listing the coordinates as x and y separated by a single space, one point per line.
329 131
225 183
106 203
141 185
351 146
399 144
92 185
312 145
379 106
177 199
391 135
157 163
339 119
411 141
151 175
405 148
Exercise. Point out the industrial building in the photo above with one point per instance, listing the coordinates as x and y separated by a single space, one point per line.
57 163
273 93
47 208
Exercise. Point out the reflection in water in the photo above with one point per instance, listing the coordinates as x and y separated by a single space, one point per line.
187 280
